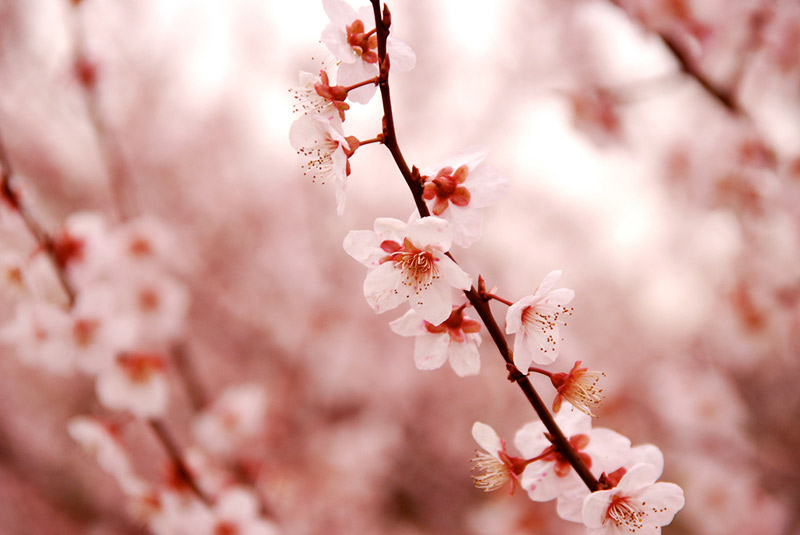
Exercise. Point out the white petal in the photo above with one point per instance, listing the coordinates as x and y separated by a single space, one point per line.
514 314
523 356
430 351
638 477
409 324
608 450
356 72
465 359
541 482
388 228
430 231
560 296
663 501
363 245
486 438
530 439
434 303
471 157
334 36
380 288
595 507
486 186
452 273
648 454
339 12
401 57
466 221
547 283
570 504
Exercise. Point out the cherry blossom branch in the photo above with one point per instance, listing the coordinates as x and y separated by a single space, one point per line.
165 437
724 96
478 301
111 154
47 244
45 241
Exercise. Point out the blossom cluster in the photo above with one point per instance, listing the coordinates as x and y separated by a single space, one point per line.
107 301
411 263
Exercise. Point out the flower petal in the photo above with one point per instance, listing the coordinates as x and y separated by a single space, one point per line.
380 288
486 438
430 351
409 324
465 359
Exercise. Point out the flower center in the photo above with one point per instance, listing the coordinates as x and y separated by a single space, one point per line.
363 43
545 320
621 511
446 188
83 331
493 473
417 265
320 159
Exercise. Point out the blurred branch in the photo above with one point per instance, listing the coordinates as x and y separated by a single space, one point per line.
111 154
724 96
44 240
481 304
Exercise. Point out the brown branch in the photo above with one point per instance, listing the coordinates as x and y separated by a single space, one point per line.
110 150
163 435
44 240
724 96
479 303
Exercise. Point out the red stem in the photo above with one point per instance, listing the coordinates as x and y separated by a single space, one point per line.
479 303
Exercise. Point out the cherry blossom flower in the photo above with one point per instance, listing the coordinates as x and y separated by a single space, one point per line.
610 470
315 95
535 319
320 139
458 187
578 387
407 262
357 49
137 383
236 512
637 503
456 338
236 415
37 335
495 466
551 474
100 440
97 331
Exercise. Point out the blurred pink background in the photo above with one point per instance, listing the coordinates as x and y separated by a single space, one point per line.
675 220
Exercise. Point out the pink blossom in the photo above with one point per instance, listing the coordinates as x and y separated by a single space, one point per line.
407 262
535 319
320 139
316 96
100 441
636 503
457 188
552 475
456 339
236 512
495 466
37 335
356 47
236 415
136 382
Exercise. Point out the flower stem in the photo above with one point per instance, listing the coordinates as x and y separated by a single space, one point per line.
540 370
165 437
479 302
487 295
371 81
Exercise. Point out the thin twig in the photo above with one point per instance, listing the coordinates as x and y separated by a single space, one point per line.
44 240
